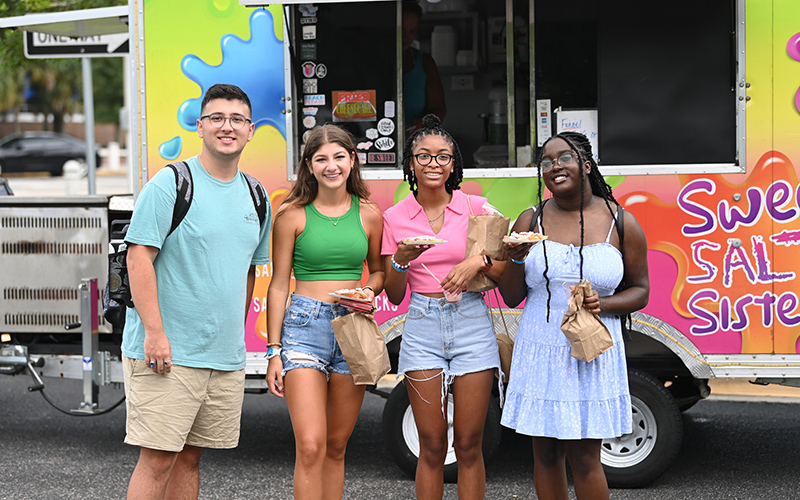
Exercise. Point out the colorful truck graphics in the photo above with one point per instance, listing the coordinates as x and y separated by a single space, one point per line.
721 246
724 298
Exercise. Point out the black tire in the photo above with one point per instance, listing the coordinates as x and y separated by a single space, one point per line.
400 435
639 458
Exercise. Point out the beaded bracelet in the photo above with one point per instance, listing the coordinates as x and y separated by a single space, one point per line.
399 267
275 344
515 261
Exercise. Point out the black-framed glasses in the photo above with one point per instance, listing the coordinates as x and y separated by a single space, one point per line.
218 119
442 160
564 160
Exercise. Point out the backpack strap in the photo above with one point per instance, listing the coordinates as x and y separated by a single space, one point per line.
259 195
185 188
185 191
537 214
625 319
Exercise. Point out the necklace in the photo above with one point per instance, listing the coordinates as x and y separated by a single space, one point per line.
431 221
328 217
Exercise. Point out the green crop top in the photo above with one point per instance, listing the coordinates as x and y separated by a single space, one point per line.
328 251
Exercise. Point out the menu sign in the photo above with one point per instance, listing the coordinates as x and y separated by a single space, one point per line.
358 98
354 106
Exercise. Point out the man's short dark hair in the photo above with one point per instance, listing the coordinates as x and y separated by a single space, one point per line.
226 91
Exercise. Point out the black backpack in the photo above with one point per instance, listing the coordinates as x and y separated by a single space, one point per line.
117 296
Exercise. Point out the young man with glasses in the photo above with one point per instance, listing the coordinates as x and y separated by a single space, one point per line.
183 345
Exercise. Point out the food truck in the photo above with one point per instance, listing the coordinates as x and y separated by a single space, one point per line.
693 109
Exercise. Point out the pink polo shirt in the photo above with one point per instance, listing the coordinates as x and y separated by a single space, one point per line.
407 219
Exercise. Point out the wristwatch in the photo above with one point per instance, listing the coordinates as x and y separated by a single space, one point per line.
487 262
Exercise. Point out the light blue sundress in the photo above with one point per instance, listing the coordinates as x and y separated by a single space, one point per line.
550 393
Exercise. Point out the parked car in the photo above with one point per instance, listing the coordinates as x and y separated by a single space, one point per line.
41 151
5 189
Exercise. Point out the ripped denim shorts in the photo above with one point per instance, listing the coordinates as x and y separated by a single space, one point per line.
457 338
307 337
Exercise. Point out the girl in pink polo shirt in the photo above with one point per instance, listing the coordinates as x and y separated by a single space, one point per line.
448 340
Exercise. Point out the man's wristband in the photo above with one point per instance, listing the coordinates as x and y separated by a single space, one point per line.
515 261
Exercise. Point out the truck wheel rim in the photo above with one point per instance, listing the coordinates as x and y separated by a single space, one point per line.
632 449
411 436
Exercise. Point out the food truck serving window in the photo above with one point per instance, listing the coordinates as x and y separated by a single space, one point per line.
659 86
667 79
662 77
344 64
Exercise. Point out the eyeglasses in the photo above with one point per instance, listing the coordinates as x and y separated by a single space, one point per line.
564 160
424 159
217 120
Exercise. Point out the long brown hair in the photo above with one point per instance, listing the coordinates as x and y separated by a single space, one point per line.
305 188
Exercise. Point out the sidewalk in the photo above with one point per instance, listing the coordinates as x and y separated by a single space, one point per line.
108 181
740 389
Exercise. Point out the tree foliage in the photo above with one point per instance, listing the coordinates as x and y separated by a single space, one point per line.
54 85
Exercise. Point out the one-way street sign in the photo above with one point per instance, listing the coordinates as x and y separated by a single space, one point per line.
46 46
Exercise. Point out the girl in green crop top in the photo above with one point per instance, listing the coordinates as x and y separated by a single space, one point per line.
325 230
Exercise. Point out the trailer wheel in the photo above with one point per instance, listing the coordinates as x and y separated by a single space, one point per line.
402 440
638 458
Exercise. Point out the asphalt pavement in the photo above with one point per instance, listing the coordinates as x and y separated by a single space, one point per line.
730 450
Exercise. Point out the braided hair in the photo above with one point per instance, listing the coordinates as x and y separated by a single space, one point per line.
581 145
431 125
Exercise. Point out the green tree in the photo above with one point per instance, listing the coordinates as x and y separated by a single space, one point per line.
56 82
107 76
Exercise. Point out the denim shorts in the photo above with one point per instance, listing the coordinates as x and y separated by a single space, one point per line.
457 338
307 337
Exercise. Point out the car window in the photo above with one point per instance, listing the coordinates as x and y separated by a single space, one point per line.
35 143
57 144
13 143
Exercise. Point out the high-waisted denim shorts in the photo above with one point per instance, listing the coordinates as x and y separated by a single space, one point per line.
307 337
457 338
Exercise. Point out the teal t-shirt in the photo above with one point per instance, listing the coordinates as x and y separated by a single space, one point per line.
201 269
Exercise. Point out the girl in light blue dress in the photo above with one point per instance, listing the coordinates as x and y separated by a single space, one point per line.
568 405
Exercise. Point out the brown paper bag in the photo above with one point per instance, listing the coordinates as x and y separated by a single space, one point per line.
363 347
506 347
485 236
587 334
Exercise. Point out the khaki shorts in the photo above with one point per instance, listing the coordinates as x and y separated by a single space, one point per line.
195 406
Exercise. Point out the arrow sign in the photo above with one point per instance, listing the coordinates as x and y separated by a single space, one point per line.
45 46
